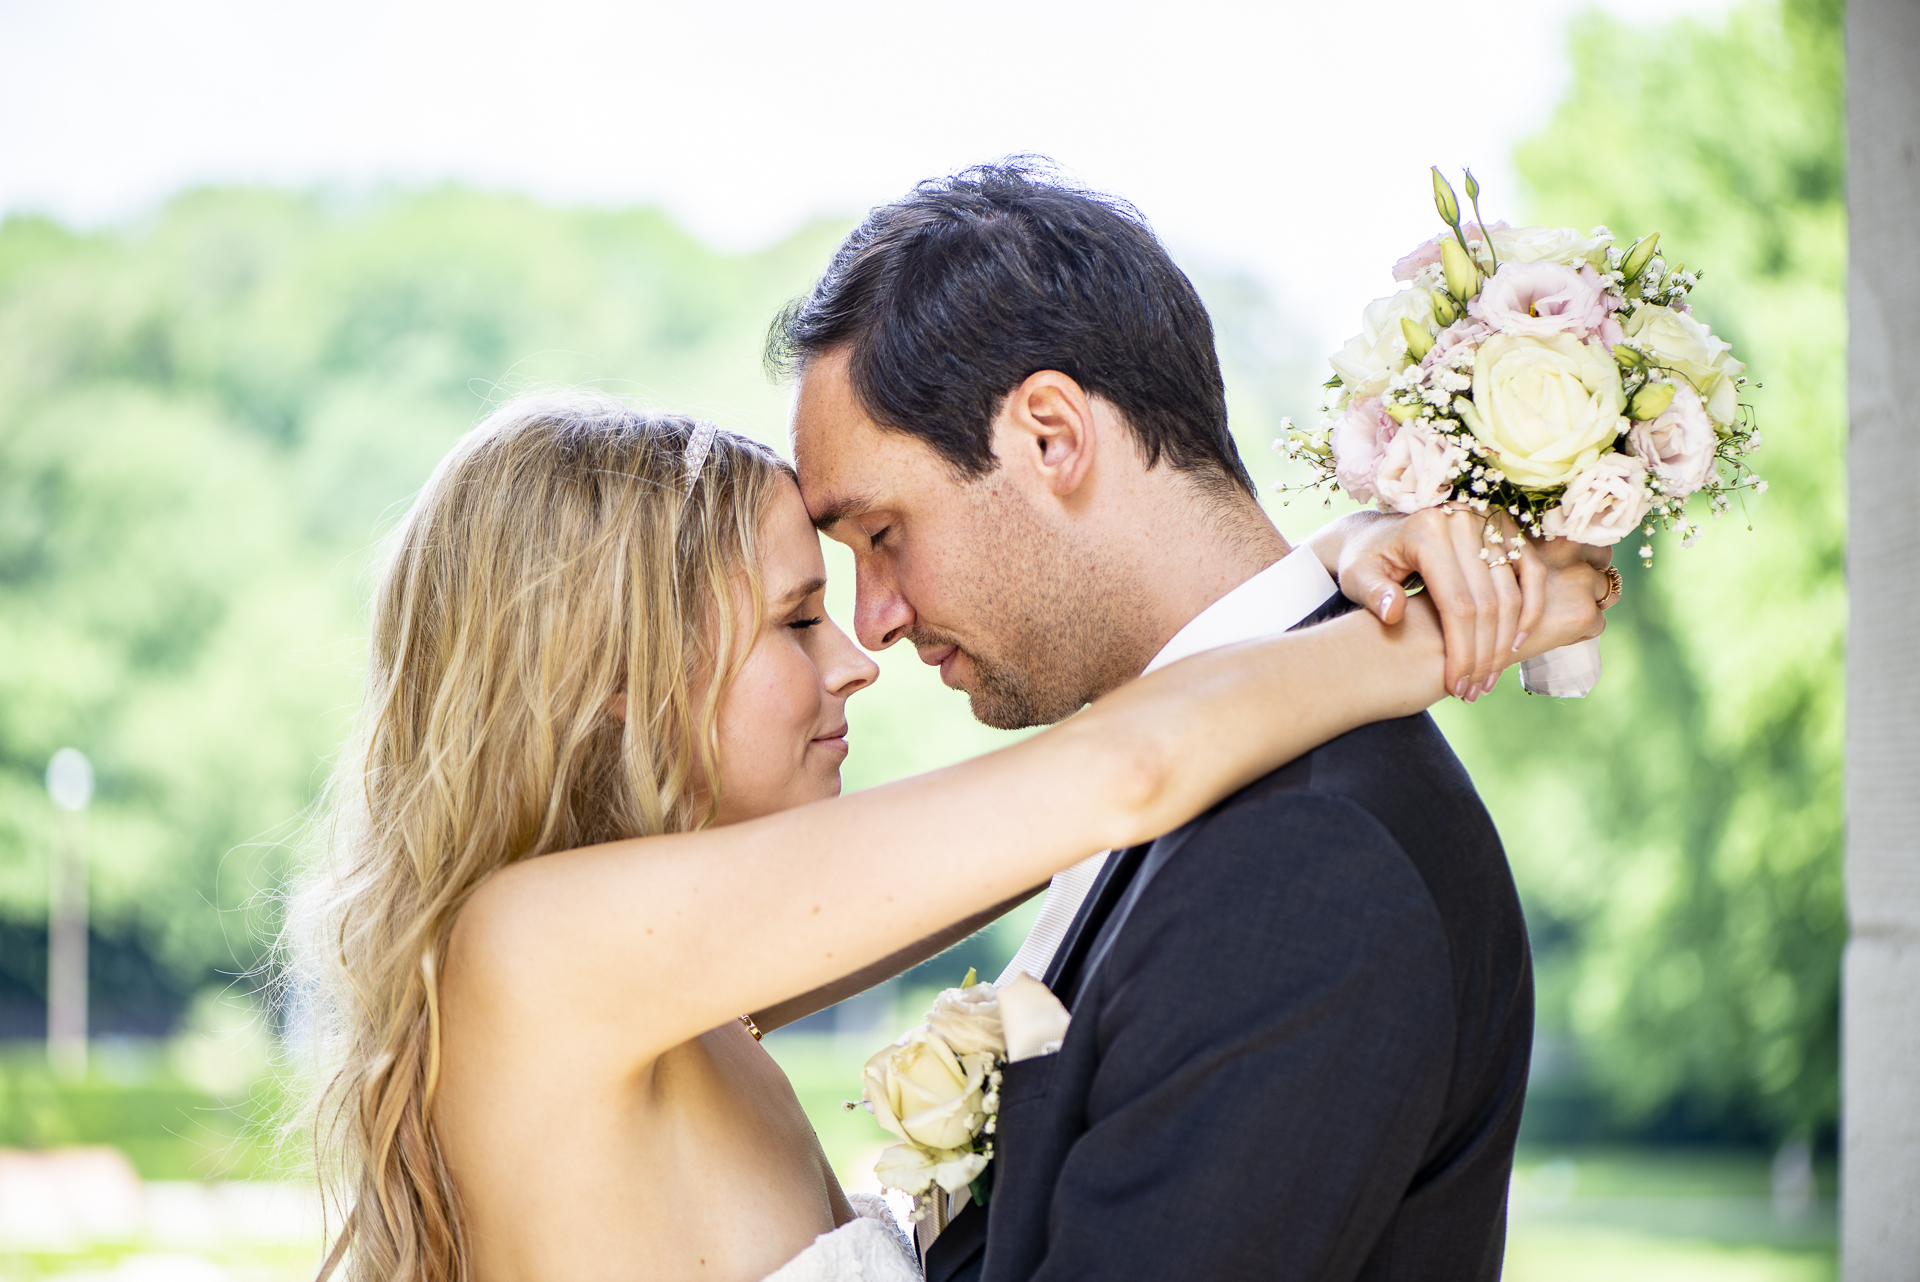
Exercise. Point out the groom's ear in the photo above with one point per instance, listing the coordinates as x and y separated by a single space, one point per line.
1048 427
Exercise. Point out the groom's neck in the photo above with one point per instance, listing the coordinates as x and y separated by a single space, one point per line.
1189 554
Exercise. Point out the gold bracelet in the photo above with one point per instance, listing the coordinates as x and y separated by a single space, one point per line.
752 1027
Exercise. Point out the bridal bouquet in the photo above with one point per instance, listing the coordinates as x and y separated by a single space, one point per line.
1539 373
938 1087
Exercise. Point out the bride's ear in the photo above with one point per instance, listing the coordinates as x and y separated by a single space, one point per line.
617 706
1052 423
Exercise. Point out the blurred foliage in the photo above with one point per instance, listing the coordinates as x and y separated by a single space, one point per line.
202 422
1677 836
169 1127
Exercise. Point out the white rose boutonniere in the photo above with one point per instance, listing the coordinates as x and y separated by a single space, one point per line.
938 1087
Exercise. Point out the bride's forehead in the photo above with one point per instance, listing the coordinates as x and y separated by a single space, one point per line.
790 547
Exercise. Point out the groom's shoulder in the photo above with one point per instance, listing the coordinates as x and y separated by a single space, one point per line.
1401 783
1400 771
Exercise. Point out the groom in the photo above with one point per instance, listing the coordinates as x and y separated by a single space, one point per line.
1301 1023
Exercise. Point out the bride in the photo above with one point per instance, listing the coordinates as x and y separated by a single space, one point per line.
590 818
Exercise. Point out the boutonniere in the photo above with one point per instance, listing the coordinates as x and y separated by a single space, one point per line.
938 1087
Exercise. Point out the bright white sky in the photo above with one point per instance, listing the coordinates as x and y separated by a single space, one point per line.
1286 138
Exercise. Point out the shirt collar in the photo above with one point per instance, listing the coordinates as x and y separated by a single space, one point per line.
1265 605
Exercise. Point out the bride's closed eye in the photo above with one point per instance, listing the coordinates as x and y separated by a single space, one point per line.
803 624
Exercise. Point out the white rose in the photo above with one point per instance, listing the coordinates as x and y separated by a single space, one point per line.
968 1020
1546 244
1681 343
1418 469
1678 445
1380 348
1602 504
910 1168
1545 406
924 1093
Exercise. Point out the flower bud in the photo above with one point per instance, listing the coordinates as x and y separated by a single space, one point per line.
1473 187
1628 358
1401 413
1444 311
1650 402
1463 276
1419 342
1639 256
1444 199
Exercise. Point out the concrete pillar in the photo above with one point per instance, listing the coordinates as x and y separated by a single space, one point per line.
1880 1082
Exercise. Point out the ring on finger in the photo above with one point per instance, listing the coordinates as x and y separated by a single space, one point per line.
1615 584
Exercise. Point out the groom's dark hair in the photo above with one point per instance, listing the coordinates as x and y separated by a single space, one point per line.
949 298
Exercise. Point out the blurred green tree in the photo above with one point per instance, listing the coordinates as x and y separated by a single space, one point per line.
202 422
1677 836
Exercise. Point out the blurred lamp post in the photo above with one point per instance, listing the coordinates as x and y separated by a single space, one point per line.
70 784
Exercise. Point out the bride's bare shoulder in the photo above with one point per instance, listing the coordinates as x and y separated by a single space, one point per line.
515 942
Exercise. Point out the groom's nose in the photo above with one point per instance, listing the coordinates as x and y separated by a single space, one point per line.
881 612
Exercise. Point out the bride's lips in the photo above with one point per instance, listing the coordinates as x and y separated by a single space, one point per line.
836 741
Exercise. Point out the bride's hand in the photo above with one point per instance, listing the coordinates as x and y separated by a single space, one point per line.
1488 612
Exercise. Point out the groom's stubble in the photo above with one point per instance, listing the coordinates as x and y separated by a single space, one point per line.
1050 627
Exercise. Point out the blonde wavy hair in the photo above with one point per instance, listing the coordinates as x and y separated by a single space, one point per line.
569 549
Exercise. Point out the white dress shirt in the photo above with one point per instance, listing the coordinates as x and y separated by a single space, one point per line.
1265 605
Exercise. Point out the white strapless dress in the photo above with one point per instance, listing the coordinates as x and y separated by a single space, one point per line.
867 1248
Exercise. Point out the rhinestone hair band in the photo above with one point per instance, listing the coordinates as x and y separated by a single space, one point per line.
699 445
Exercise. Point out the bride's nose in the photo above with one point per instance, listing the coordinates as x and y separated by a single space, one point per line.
848 668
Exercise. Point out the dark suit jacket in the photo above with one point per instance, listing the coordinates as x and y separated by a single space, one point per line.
1300 1035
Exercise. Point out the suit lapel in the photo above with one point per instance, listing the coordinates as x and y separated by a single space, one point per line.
1063 973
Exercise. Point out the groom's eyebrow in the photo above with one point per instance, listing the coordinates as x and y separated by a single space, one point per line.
840 509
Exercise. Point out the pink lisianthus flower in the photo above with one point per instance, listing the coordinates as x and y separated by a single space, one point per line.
1464 330
1602 504
1360 439
1418 469
1541 299
1679 445
1428 253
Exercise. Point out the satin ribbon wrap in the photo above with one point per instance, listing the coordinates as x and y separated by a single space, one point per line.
1571 672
